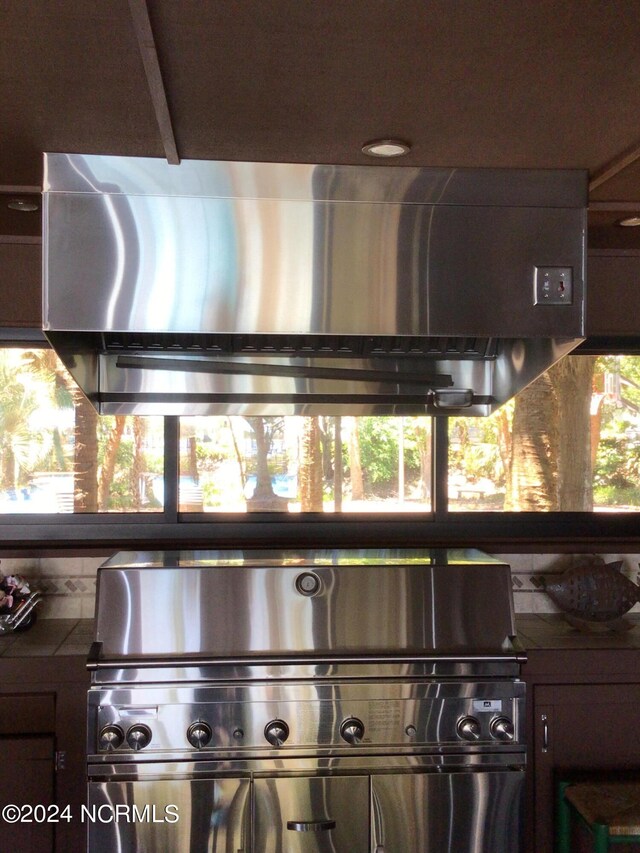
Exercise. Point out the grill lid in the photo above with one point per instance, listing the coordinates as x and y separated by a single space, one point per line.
343 604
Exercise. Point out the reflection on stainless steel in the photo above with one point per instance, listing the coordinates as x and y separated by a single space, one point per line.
476 812
313 814
316 717
348 616
171 815
267 368
280 705
436 275
312 766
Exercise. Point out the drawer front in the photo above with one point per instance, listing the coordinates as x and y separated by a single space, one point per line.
312 815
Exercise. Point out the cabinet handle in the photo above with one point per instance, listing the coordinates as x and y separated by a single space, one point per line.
545 733
311 825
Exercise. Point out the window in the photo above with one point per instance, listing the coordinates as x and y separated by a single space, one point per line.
569 444
57 455
310 464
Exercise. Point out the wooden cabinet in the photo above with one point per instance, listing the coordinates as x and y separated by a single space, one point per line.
43 749
613 292
584 716
27 768
20 282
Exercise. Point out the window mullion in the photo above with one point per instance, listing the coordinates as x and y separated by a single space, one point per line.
440 467
171 466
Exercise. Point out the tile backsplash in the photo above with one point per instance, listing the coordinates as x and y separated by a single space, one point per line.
529 570
68 584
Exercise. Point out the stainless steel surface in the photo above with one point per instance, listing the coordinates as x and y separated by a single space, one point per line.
288 708
452 813
312 765
401 602
13 620
501 728
422 281
289 718
468 728
151 670
337 807
172 815
340 814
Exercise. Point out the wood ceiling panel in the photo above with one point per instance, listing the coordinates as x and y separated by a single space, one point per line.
541 84
479 83
71 79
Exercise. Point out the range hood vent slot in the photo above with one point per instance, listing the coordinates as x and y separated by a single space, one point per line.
302 346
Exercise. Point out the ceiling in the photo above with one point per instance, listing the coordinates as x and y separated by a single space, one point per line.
542 84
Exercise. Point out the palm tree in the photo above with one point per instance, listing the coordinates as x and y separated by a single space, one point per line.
17 405
355 463
49 371
139 461
549 466
108 466
311 466
85 454
264 498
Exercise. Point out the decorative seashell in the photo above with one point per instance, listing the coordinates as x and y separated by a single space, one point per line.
600 593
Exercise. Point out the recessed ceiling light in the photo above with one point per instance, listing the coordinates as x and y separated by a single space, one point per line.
386 148
23 204
629 222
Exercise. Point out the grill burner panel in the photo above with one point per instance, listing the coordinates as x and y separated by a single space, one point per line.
236 722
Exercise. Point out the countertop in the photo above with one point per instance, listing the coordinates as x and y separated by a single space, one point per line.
549 631
536 631
48 638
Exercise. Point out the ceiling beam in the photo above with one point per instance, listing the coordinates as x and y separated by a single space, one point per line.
149 54
615 166
615 206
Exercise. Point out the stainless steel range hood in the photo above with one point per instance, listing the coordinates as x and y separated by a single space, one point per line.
261 288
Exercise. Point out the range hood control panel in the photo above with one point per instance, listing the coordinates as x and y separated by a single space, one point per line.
553 286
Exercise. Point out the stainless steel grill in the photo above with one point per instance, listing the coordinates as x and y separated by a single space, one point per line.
336 701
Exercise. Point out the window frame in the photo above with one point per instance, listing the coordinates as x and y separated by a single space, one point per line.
170 528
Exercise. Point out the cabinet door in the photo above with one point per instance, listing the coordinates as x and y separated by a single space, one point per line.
186 815
577 728
472 812
26 778
312 815
20 282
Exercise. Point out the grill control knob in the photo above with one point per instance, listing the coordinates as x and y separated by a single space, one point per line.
276 732
468 728
138 736
352 730
501 728
199 734
111 737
